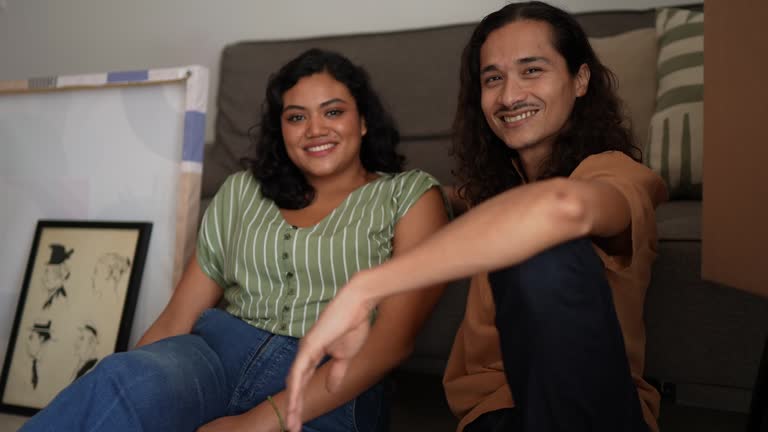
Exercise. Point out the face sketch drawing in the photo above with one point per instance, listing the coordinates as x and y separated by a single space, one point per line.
85 350
55 275
37 340
107 273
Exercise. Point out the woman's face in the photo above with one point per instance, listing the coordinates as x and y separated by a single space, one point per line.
322 128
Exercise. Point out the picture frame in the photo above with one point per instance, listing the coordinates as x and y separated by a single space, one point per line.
75 307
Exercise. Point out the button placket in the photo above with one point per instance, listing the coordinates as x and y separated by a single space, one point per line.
288 276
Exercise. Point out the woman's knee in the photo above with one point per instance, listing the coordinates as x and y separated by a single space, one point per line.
166 364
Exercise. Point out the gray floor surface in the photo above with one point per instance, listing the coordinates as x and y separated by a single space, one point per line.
419 405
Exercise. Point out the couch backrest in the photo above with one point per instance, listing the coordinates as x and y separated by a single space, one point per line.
416 73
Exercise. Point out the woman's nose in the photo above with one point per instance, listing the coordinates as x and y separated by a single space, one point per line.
316 127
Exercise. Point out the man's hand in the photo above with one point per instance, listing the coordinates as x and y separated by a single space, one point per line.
340 332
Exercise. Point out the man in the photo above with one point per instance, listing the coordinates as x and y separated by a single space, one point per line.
561 236
107 273
56 272
85 350
37 341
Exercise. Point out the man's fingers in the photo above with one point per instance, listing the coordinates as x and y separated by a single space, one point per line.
301 372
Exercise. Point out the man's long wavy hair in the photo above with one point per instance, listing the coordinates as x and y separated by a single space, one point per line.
596 124
281 180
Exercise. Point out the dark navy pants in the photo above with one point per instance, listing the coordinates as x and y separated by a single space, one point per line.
562 347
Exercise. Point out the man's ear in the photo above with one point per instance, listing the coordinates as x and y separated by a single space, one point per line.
582 80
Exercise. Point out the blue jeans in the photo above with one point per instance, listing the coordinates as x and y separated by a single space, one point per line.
224 367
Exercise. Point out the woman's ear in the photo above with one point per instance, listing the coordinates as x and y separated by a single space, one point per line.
363 127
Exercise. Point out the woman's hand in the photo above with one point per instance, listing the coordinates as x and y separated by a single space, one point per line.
238 423
340 332
229 424
261 418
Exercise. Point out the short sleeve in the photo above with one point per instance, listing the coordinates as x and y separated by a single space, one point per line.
411 185
213 238
642 188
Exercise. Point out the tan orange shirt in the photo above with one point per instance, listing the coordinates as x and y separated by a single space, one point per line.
474 378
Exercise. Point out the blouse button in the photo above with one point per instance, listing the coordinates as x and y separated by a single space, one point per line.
287 236
289 275
285 255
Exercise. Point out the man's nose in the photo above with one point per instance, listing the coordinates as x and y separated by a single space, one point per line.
512 93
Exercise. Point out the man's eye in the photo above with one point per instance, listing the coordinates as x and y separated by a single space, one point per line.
532 70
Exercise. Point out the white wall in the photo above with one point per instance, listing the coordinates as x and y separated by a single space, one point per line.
65 37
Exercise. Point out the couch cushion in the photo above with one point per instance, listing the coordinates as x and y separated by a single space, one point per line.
432 155
676 130
634 73
679 220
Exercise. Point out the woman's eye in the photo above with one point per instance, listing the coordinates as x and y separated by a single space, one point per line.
491 79
294 118
334 113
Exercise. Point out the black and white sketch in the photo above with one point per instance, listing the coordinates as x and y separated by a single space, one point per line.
107 273
55 275
76 306
38 338
85 349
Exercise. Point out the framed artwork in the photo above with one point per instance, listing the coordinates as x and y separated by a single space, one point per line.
99 129
76 307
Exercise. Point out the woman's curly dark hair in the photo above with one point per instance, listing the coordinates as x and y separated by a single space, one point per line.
283 182
597 122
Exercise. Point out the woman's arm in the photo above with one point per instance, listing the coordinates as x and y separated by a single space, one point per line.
194 293
502 231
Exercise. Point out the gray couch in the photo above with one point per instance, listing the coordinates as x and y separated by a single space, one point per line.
704 340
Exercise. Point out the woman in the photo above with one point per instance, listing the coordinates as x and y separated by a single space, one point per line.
325 198
563 219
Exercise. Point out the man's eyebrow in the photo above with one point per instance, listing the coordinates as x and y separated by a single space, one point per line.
533 59
322 105
522 61
489 68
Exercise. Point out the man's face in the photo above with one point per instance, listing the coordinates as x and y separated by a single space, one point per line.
527 93
34 343
54 276
84 344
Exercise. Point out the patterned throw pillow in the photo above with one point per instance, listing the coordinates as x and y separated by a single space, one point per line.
675 143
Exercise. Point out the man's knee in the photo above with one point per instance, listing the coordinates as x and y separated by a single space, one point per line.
561 274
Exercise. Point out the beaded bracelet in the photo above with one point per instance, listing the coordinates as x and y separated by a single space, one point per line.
277 411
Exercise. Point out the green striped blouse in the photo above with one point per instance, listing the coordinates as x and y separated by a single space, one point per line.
278 277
